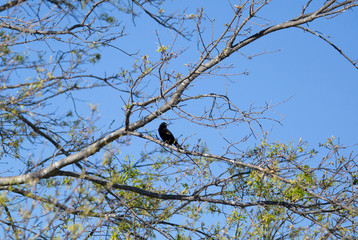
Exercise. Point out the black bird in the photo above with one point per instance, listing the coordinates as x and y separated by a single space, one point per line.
167 136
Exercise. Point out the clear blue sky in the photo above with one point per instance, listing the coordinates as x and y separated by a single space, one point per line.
323 84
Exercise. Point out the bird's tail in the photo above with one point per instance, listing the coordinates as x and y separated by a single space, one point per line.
177 145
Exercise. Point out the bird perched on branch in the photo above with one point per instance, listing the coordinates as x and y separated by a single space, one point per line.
167 136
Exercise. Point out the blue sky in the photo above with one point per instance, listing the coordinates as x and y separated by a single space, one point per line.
321 82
